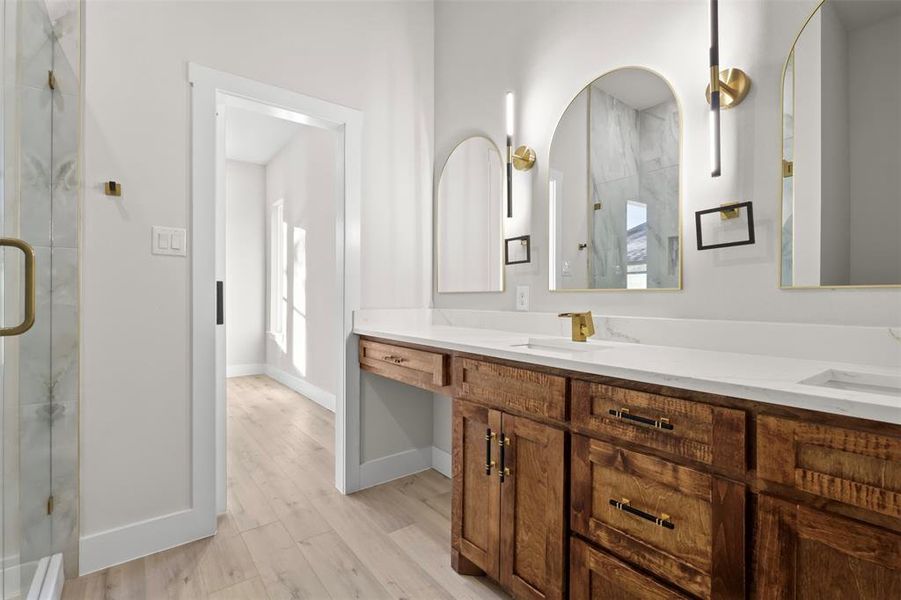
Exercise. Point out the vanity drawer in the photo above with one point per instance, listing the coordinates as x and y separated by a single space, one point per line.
595 575
853 467
683 525
506 387
708 434
421 368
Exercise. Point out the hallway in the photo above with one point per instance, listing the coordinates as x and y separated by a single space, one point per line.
289 534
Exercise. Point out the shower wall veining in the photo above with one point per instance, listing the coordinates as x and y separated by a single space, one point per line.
47 93
634 158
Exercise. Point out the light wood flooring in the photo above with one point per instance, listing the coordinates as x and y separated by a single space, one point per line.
289 534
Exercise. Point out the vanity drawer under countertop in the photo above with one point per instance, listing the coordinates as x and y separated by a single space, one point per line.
421 368
505 387
681 524
853 467
705 433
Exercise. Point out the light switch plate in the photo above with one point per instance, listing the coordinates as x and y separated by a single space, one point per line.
169 241
522 297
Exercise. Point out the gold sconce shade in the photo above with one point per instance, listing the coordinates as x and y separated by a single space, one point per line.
523 158
734 86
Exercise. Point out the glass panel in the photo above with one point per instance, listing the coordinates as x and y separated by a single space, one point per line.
38 368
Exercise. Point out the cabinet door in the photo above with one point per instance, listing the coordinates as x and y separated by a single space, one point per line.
532 510
806 553
475 532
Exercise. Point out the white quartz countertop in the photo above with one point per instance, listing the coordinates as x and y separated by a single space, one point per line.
769 379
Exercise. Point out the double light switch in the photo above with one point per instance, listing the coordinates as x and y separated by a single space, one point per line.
169 241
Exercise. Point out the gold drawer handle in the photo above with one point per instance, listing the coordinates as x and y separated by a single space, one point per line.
625 505
624 414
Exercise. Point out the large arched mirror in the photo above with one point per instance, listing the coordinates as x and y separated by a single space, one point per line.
841 148
469 223
614 186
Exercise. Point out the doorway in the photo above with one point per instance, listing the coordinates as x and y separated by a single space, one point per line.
286 313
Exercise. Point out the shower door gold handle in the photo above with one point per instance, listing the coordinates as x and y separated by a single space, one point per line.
28 321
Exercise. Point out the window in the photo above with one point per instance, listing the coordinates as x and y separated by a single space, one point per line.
278 272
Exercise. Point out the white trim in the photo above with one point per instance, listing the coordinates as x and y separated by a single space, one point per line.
394 466
37 580
135 540
244 370
52 587
209 89
441 462
303 387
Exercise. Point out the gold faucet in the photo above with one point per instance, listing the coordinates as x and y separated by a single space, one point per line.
583 325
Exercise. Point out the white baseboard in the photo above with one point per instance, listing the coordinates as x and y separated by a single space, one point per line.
112 547
441 461
54 580
409 462
394 466
302 387
37 581
244 370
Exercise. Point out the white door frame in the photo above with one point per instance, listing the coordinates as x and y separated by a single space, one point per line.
211 89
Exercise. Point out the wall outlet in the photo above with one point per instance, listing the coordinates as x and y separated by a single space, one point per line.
522 297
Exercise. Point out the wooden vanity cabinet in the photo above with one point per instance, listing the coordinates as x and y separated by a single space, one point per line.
804 553
617 490
511 527
683 525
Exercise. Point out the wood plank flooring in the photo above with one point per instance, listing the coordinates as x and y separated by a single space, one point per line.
289 534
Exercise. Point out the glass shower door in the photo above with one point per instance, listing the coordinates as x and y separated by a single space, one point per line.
38 286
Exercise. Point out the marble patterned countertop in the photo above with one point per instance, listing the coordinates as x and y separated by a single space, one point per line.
769 379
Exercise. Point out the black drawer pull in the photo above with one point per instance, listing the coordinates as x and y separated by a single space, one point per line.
626 506
623 413
488 462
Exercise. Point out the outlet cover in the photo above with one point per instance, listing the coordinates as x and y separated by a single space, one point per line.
522 297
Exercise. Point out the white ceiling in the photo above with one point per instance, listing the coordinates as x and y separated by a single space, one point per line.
637 88
255 138
855 14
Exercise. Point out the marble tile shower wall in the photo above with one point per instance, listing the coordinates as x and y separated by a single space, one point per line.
659 190
613 149
634 157
48 361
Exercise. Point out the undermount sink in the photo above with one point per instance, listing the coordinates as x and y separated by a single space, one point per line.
871 383
561 344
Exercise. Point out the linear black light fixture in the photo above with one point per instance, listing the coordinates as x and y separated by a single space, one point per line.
523 158
727 89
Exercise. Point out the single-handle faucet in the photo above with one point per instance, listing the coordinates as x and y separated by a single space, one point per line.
583 325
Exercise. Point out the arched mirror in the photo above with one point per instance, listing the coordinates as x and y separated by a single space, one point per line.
469 223
614 186
841 148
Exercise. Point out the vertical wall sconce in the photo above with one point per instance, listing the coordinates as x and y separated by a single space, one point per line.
727 89
523 158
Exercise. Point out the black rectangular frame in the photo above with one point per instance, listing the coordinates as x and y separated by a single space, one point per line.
528 240
746 205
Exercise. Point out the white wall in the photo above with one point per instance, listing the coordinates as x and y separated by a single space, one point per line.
377 57
835 231
875 148
303 176
245 292
560 47
807 223
570 174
